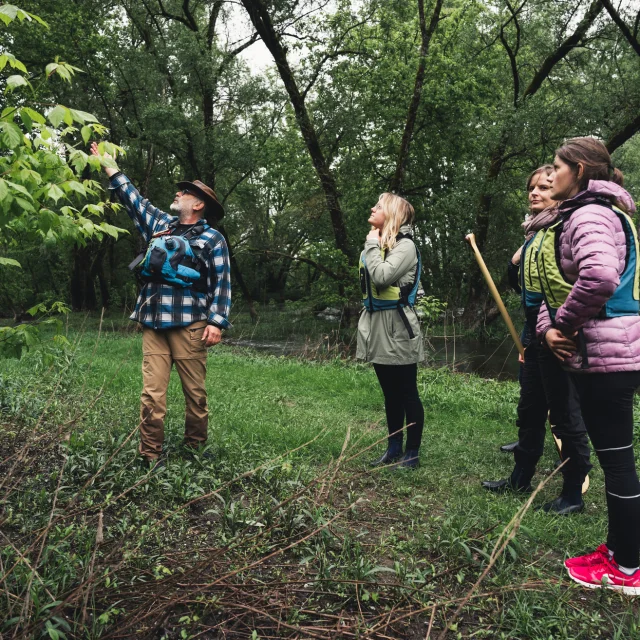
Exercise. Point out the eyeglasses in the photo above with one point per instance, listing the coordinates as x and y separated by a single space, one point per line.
187 192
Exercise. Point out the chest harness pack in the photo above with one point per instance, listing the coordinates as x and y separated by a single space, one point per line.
625 300
173 258
530 284
393 296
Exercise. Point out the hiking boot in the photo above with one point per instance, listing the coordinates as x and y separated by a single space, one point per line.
590 559
505 486
509 448
391 455
409 460
562 506
606 575
200 453
153 465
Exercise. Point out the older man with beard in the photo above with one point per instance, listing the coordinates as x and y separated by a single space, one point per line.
181 315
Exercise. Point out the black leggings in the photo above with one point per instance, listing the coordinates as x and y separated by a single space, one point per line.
546 389
400 388
606 400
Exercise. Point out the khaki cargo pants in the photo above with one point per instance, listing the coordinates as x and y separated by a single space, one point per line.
182 346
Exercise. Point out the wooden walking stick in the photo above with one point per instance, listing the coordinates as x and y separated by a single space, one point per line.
471 239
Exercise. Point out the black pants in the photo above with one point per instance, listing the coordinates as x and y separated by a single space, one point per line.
400 388
606 400
546 390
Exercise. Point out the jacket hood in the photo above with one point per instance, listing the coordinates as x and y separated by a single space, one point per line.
612 190
406 229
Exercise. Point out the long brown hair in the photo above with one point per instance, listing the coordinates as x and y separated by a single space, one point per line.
595 160
397 211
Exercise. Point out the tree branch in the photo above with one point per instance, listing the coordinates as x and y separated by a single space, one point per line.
188 20
313 263
213 21
426 34
564 49
622 25
620 137
513 53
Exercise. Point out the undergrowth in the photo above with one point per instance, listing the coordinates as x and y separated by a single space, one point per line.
286 531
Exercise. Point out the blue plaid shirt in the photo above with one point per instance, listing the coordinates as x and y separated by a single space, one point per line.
162 306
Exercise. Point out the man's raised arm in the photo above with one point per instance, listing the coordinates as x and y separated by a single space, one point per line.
147 218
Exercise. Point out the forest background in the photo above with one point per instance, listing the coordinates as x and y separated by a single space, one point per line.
299 114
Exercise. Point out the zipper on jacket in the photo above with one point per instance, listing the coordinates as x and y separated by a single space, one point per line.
583 349
544 270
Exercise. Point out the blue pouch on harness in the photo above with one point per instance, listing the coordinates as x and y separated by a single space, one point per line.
170 259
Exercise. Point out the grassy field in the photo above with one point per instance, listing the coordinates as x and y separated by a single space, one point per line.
286 532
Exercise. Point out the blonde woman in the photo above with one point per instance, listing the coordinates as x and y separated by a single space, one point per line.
389 331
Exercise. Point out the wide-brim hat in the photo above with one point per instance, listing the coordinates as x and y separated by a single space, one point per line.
214 210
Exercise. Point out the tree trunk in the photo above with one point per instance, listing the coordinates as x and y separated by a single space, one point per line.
83 291
261 20
425 34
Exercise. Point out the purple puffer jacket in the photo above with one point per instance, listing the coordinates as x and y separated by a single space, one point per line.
592 254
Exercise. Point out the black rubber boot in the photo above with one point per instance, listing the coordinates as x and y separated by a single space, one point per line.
391 455
509 448
410 459
568 502
563 506
519 481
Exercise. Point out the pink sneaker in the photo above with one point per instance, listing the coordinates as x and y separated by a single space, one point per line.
607 575
590 560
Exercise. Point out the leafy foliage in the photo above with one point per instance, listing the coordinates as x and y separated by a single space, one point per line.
46 195
174 81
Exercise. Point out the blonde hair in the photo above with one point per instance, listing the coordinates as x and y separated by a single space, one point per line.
397 211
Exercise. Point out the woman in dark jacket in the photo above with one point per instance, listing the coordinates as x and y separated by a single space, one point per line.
545 389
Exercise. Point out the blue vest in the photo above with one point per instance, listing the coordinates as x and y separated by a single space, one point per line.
556 288
393 296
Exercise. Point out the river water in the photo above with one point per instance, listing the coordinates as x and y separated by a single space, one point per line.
487 359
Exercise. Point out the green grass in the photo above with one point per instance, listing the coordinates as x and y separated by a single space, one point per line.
413 539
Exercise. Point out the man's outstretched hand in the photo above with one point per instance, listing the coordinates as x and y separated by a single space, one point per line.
94 152
212 335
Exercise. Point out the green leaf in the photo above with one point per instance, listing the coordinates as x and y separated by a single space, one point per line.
25 204
47 219
13 82
77 187
7 57
10 262
20 189
83 116
86 133
12 136
109 229
55 192
9 11
51 68
28 122
16 64
79 162
59 114
34 115
4 189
